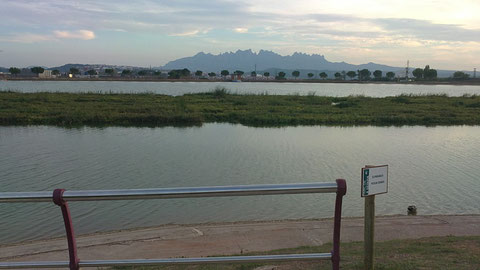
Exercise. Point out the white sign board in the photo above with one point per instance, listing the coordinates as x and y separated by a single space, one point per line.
374 180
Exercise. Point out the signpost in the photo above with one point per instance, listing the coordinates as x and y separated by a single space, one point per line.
374 181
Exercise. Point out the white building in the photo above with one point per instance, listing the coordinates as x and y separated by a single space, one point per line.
46 74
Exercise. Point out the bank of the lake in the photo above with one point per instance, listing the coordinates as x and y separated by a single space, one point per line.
69 109
456 238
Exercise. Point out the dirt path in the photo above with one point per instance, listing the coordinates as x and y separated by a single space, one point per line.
234 238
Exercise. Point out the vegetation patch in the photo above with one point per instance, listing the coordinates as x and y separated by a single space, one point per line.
219 105
447 253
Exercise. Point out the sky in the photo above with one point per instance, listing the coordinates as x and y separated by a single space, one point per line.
444 34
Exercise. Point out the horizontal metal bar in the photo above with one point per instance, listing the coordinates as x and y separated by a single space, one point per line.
210 260
169 193
20 265
152 262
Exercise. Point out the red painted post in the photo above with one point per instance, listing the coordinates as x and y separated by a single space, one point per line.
67 219
341 191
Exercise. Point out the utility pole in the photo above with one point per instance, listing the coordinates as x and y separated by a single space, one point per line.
406 70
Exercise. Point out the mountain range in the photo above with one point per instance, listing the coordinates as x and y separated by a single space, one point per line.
247 61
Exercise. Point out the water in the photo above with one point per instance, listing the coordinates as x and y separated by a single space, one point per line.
435 168
180 88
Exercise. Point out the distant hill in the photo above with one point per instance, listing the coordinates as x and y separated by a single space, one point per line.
98 67
267 60
2 69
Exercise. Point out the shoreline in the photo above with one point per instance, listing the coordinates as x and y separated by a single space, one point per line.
119 79
221 223
226 238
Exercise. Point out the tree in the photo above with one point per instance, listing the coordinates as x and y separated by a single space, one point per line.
157 73
185 72
280 76
198 73
109 71
177 73
55 72
224 73
364 74
323 75
310 75
74 71
126 72
14 71
458 75
37 70
417 73
212 74
338 76
91 72
296 73
142 73
351 74
238 72
253 74
266 74
429 73
390 75
377 74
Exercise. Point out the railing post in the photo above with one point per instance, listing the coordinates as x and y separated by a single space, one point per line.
341 191
67 219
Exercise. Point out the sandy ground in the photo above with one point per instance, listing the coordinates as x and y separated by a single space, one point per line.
235 238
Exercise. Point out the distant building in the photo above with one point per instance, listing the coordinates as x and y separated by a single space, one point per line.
46 74
236 77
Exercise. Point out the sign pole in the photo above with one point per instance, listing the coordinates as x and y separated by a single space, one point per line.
374 181
369 232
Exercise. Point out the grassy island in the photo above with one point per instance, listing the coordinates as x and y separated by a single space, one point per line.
93 109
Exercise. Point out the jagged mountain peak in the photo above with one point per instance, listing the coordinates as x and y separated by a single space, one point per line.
247 60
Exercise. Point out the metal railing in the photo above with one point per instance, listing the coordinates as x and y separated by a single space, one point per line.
60 197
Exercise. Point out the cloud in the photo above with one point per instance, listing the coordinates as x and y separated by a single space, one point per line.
80 34
241 30
428 30
184 34
56 35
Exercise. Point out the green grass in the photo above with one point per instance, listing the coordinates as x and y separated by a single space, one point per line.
93 109
427 253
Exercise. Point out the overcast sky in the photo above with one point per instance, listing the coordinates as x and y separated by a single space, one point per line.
444 34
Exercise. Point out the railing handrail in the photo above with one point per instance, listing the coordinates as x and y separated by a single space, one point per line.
61 197
170 261
170 193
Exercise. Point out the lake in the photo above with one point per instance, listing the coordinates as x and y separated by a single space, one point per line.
273 88
435 168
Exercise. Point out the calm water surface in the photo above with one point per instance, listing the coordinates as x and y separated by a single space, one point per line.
435 168
180 88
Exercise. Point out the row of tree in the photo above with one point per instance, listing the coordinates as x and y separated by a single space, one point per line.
178 73
426 73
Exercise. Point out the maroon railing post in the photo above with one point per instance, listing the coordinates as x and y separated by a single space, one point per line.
67 219
341 191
